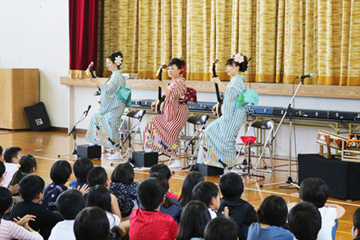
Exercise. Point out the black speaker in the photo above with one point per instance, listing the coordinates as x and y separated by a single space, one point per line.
207 170
89 151
145 159
38 117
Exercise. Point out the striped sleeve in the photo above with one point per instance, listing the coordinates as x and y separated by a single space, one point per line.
231 93
18 232
116 82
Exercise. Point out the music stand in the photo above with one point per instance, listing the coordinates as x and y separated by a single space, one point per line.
289 110
248 140
73 132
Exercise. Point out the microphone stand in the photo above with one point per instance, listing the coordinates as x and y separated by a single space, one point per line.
289 110
73 132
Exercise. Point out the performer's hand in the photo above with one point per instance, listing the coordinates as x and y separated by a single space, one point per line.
215 80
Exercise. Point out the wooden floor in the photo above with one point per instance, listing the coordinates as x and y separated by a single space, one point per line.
46 146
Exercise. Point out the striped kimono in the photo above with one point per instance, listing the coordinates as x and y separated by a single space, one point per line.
218 142
162 131
104 124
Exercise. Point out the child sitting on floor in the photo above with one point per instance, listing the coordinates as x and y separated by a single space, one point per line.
81 168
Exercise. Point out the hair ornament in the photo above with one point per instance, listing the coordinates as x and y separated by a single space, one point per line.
239 58
183 68
118 60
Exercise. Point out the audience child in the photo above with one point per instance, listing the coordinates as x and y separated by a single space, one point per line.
92 224
2 170
81 167
1 154
99 196
272 215
316 191
124 188
9 229
193 220
356 225
69 204
243 213
208 193
221 228
27 165
164 170
31 190
98 176
304 221
147 223
60 173
189 183
170 206
12 156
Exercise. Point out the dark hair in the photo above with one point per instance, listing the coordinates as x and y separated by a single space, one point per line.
123 173
81 168
194 218
162 169
97 176
305 221
92 224
189 183
150 194
99 196
11 153
60 172
2 169
273 211
221 228
356 220
1 150
314 190
27 163
242 66
205 191
165 184
69 203
114 55
30 186
5 200
178 62
231 185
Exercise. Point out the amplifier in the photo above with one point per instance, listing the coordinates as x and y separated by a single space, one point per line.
201 106
147 102
307 113
131 75
350 116
264 110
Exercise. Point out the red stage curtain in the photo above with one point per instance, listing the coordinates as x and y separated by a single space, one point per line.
83 21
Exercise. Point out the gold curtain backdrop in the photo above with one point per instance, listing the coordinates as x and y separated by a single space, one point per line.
284 38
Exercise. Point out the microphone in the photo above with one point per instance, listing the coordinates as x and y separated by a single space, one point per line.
306 76
90 69
87 111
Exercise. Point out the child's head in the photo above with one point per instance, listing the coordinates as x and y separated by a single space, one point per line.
189 183
27 165
273 211
304 221
1 154
60 172
314 190
70 203
231 185
123 173
150 194
162 169
99 196
208 193
31 188
81 168
12 155
221 228
97 176
165 184
5 200
356 224
194 218
2 171
92 223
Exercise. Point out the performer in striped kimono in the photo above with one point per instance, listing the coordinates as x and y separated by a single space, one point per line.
104 124
218 144
162 131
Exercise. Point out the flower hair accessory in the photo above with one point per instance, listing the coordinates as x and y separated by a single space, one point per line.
118 60
239 58
183 68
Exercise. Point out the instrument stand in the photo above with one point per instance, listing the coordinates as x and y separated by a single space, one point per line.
191 143
248 140
73 132
289 110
